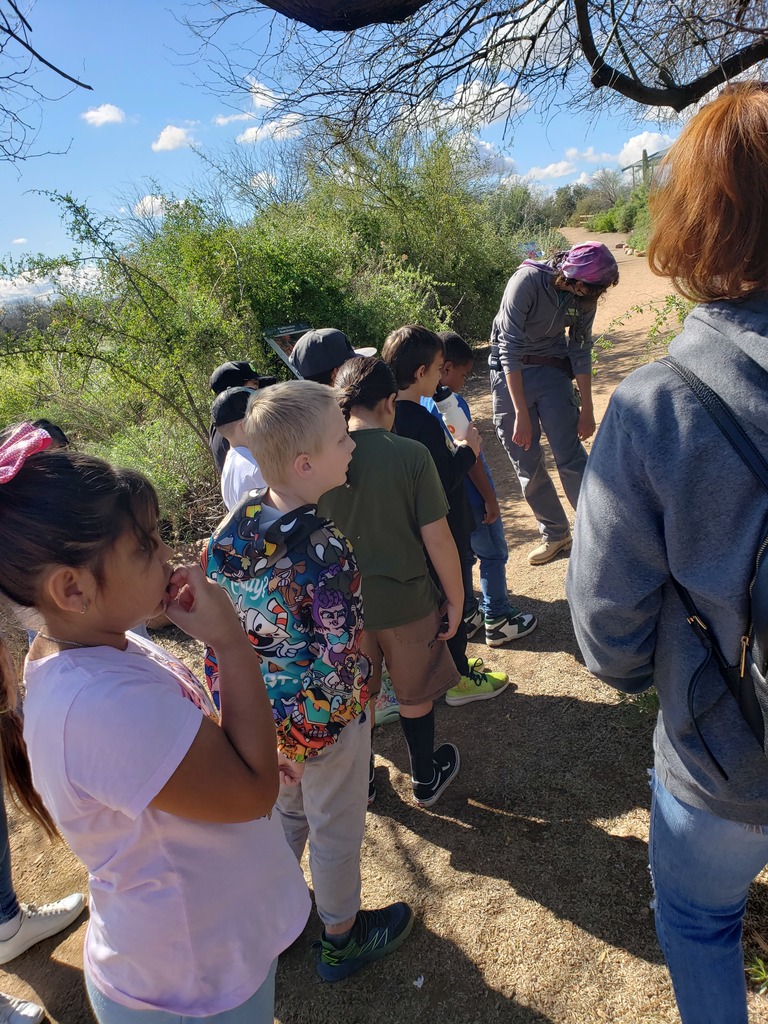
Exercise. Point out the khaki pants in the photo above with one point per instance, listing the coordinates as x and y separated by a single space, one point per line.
329 807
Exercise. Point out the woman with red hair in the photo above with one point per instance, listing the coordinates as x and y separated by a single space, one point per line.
669 524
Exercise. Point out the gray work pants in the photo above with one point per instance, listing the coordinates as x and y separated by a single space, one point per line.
552 408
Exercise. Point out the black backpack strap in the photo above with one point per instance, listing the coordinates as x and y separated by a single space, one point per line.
725 419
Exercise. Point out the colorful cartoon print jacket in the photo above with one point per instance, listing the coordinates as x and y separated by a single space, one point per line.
296 588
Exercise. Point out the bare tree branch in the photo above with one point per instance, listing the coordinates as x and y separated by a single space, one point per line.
20 96
381 62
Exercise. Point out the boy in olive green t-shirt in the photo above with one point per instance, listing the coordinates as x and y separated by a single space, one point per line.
392 508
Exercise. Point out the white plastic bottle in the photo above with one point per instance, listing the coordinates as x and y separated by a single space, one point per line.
454 416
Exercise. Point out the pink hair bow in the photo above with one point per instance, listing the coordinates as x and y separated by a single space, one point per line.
25 440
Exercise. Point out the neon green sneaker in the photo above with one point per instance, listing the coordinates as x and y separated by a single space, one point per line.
478 685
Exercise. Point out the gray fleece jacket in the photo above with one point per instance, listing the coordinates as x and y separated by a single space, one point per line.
533 318
665 494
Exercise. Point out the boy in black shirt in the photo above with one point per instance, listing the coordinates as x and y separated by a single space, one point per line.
416 355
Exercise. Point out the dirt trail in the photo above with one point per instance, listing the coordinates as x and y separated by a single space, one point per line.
530 877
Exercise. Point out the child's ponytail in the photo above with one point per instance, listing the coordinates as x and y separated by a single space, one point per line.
365 381
16 770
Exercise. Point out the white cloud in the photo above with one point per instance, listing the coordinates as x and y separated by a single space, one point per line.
511 40
14 289
262 97
150 206
585 178
488 104
262 180
35 286
222 119
107 113
651 142
494 161
19 241
590 156
172 137
555 170
285 127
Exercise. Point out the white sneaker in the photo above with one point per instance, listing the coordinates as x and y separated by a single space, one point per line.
548 549
39 923
19 1011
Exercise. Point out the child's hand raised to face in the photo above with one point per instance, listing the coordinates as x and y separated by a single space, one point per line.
200 607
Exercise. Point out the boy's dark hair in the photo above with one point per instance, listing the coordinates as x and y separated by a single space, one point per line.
59 438
326 377
364 380
457 351
408 348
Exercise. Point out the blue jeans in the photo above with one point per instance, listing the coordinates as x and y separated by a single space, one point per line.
702 867
9 905
489 545
259 1009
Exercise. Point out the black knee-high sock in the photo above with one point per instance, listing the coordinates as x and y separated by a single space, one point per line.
420 737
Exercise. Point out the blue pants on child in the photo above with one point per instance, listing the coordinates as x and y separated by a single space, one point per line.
9 905
489 546
702 867
259 1009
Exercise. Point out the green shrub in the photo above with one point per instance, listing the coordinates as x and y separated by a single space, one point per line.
179 466
605 221
641 231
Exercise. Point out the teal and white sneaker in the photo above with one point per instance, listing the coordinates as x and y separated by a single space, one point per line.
386 708
375 933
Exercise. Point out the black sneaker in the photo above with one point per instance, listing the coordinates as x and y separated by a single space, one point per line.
375 933
447 762
371 781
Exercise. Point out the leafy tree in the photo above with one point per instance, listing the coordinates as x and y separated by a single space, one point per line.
433 201
121 357
559 208
609 187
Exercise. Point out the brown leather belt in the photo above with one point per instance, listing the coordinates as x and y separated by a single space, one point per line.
559 364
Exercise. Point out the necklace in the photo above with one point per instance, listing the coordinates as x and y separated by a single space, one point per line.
58 640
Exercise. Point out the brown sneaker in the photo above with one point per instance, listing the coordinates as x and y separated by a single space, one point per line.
547 550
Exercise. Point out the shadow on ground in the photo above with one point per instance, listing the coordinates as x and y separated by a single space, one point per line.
539 786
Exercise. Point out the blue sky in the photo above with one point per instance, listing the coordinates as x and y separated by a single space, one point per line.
130 137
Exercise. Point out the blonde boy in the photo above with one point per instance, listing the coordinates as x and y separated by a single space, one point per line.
294 581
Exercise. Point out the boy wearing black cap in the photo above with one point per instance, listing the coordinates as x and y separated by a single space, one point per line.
317 355
229 375
240 472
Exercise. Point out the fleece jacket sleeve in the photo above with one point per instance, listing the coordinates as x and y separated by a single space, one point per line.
509 327
618 565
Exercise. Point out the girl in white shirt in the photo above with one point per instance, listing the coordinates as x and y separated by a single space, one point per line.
193 892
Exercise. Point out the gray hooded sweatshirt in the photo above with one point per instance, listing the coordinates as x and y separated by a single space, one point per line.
665 494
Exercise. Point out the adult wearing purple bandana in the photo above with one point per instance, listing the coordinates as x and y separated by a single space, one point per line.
541 341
